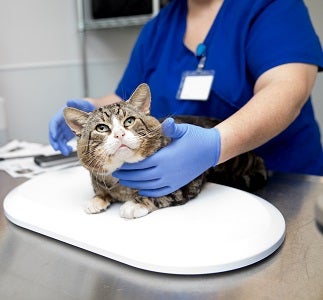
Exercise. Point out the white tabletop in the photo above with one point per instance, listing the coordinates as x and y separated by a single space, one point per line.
222 229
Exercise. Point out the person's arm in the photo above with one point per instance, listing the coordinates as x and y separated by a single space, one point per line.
105 100
279 95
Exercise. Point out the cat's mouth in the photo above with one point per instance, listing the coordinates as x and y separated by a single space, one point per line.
124 147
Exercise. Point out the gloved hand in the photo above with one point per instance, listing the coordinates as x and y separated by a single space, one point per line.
59 132
192 151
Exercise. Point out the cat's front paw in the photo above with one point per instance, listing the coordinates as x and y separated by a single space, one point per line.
132 210
96 205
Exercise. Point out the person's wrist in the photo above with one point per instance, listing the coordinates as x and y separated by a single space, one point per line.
93 101
216 146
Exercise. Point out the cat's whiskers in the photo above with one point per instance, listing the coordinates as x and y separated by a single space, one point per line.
99 158
91 159
171 116
97 169
150 133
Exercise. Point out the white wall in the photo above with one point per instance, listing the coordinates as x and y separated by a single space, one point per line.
316 10
40 61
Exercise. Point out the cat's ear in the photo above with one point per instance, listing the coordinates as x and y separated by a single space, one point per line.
75 119
141 98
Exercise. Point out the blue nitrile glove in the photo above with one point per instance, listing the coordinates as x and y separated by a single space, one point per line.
59 132
192 151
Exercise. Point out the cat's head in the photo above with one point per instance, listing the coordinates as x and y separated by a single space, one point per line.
116 133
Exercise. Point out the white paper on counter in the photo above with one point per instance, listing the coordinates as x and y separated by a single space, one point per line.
25 167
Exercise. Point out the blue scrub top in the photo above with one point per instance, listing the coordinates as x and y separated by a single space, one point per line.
246 39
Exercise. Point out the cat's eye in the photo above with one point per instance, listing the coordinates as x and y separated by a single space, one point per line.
129 121
102 128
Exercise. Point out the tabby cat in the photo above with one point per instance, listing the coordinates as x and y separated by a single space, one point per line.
125 132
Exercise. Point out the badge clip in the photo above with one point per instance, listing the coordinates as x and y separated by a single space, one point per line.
196 85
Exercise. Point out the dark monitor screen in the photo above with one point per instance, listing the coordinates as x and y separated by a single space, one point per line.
102 9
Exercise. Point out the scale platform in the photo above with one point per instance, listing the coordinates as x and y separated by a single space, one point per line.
222 229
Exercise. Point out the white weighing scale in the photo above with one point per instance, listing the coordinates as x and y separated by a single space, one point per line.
222 229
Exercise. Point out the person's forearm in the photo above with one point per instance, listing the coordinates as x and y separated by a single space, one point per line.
278 99
106 100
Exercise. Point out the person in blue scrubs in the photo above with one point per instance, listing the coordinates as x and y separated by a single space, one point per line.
262 57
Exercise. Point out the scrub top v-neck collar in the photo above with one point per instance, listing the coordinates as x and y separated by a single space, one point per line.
183 25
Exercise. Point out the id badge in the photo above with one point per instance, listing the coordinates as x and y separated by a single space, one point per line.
196 85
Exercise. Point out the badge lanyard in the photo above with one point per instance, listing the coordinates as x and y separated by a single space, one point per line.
196 85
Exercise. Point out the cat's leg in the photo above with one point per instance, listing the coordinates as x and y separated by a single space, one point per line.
139 207
96 205
133 210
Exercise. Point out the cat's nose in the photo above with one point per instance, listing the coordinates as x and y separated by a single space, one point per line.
118 134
